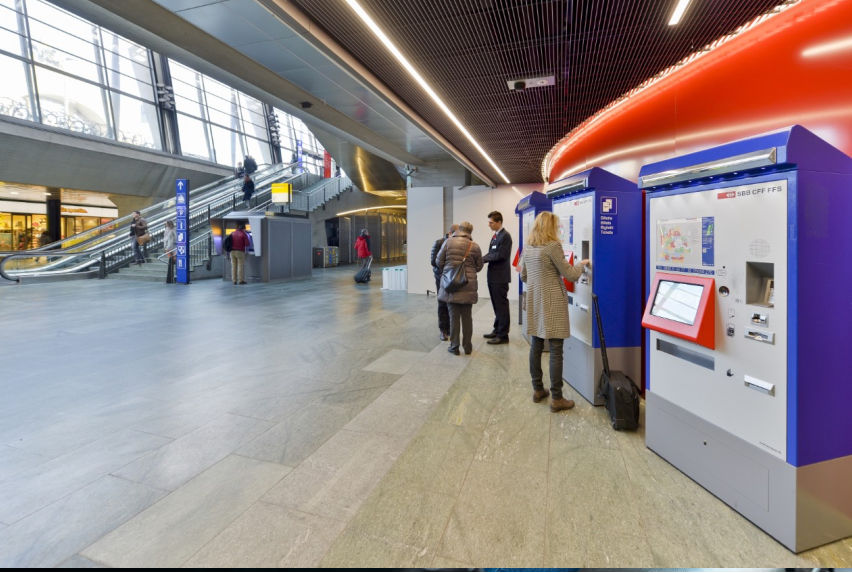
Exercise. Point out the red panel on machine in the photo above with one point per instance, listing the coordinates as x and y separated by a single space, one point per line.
683 306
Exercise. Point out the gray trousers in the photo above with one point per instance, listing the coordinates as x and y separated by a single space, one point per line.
461 321
536 347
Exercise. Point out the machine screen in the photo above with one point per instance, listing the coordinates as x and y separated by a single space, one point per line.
677 301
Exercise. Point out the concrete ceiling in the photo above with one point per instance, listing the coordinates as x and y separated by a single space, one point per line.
249 45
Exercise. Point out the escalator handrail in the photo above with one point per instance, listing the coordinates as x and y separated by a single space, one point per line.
216 199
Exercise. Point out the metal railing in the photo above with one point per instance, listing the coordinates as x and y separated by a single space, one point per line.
200 251
109 247
313 196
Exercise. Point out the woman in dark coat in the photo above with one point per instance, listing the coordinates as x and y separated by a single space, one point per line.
547 308
461 302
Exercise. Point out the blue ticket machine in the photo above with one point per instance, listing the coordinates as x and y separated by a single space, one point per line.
527 210
748 336
601 220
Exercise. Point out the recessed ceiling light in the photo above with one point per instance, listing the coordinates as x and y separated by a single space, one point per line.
14 192
678 12
380 34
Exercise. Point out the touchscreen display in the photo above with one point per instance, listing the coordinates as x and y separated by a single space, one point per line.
677 301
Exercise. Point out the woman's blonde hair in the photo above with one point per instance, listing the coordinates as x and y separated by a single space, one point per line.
545 229
466 227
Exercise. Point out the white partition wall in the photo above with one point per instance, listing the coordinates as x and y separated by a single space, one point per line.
474 203
425 225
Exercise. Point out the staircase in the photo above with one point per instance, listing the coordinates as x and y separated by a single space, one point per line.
151 270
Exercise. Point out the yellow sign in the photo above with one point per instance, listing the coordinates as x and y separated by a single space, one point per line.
281 192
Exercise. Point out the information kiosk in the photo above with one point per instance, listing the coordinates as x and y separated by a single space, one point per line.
527 210
601 219
748 314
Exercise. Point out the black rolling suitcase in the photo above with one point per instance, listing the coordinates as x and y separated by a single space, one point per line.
616 388
364 274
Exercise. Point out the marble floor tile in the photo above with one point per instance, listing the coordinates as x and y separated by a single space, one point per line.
56 532
14 461
44 484
269 536
300 434
396 527
436 460
336 479
169 532
517 433
176 463
79 562
396 361
499 518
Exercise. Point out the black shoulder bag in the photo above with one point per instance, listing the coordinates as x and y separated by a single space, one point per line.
454 278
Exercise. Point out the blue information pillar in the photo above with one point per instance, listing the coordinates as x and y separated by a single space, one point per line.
182 230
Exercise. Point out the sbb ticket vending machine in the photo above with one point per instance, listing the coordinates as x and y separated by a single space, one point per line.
601 220
527 210
748 316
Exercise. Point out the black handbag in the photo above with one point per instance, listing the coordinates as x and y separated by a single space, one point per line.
454 278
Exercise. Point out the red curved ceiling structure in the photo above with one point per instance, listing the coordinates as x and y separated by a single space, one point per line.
795 67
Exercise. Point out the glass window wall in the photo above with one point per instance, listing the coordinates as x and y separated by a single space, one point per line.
81 77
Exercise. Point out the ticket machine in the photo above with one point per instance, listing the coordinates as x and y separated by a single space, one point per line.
601 220
748 314
527 210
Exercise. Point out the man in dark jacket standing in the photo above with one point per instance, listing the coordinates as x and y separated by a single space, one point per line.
443 310
248 190
499 276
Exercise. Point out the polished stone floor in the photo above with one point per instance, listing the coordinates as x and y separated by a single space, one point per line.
318 423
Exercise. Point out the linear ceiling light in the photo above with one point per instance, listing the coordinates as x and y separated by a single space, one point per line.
678 12
379 33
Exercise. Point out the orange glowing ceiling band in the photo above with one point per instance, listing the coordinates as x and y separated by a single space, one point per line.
789 67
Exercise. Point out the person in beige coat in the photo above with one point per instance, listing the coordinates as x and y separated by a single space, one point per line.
547 306
461 302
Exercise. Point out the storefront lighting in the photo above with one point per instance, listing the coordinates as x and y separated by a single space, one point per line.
354 211
391 47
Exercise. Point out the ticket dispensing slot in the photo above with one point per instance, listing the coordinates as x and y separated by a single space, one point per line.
760 335
585 255
759 385
760 284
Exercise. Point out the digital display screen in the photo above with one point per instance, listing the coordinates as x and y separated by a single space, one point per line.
677 301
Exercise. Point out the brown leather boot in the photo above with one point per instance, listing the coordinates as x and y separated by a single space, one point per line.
559 404
540 395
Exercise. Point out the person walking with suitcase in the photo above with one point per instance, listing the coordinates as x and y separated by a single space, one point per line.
547 310
362 247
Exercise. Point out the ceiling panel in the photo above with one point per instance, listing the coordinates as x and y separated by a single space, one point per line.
468 50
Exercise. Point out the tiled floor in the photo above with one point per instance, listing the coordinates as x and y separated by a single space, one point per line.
318 423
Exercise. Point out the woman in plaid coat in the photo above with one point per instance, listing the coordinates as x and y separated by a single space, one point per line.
547 308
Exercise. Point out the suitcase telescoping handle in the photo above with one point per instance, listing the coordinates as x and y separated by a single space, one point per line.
597 310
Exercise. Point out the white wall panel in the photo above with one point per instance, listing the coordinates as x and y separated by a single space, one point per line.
425 222
474 203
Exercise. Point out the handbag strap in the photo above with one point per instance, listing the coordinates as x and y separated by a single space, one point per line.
467 252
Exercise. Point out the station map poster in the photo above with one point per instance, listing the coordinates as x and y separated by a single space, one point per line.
182 230
686 245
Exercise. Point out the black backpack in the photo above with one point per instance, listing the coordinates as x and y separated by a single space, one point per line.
249 164
228 244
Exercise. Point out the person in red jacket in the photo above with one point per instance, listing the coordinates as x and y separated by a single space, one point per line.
239 244
362 247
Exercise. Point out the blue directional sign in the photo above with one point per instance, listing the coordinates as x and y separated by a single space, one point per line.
182 228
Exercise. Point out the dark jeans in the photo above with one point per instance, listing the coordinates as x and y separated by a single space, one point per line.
138 256
499 293
461 320
443 311
170 274
536 347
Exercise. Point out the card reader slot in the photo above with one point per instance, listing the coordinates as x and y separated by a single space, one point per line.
687 354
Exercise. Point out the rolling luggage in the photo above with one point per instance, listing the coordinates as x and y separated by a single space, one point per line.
620 396
364 274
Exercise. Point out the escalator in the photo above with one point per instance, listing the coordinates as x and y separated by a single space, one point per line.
107 248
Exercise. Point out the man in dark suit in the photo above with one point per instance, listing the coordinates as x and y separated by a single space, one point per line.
499 276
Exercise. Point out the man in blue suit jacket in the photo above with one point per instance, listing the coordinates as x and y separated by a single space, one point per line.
499 277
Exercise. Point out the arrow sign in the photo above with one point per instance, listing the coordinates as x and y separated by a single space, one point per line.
181 222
